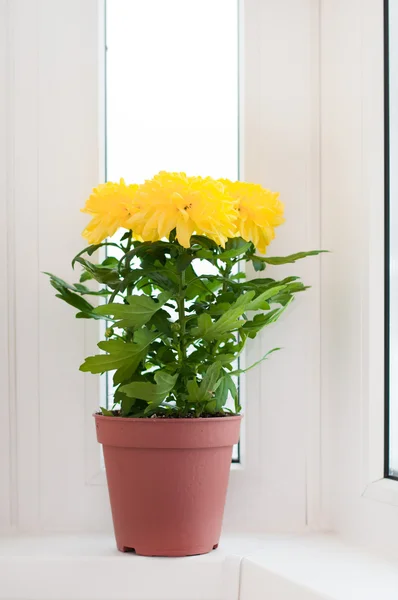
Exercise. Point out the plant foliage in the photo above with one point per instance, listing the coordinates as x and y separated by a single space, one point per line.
177 320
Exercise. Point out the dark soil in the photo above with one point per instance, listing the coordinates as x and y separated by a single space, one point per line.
191 416
116 413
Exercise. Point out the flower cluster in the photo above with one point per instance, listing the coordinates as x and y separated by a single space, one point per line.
218 209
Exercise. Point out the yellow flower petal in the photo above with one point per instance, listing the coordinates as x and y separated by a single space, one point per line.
219 209
260 211
184 231
110 208
188 204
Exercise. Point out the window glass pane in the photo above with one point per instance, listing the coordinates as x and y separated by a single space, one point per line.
172 91
172 86
392 91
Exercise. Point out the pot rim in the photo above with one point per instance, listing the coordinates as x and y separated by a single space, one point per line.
168 420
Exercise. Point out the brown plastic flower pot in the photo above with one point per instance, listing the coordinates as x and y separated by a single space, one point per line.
167 481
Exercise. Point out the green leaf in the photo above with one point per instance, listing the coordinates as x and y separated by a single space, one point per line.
204 254
284 260
110 262
91 249
60 285
153 393
285 295
261 284
126 404
183 261
126 235
130 279
240 371
236 242
149 252
228 322
226 297
221 397
85 276
106 412
233 253
204 391
251 328
70 297
161 321
195 286
204 241
166 355
204 324
198 356
258 264
164 279
100 273
210 378
227 385
194 393
234 393
261 301
219 308
124 357
244 300
226 359
136 313
238 275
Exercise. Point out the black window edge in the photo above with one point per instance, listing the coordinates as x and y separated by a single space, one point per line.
387 472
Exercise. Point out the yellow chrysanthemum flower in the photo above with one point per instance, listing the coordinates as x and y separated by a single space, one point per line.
110 206
188 204
260 211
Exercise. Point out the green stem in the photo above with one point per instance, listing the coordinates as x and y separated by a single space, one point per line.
215 347
182 350
226 273
181 317
128 243
129 289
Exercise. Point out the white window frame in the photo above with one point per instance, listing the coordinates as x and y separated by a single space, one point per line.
357 500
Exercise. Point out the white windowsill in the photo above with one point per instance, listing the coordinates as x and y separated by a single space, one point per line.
84 567
383 490
80 567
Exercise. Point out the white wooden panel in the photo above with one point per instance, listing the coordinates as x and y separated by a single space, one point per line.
68 169
6 288
25 125
280 136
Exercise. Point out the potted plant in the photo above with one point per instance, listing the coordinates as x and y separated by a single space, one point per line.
178 314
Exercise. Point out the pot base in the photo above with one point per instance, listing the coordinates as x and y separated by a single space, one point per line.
169 553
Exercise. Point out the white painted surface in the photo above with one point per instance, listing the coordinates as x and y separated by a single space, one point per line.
316 568
7 275
278 487
355 502
89 566
384 491
286 567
